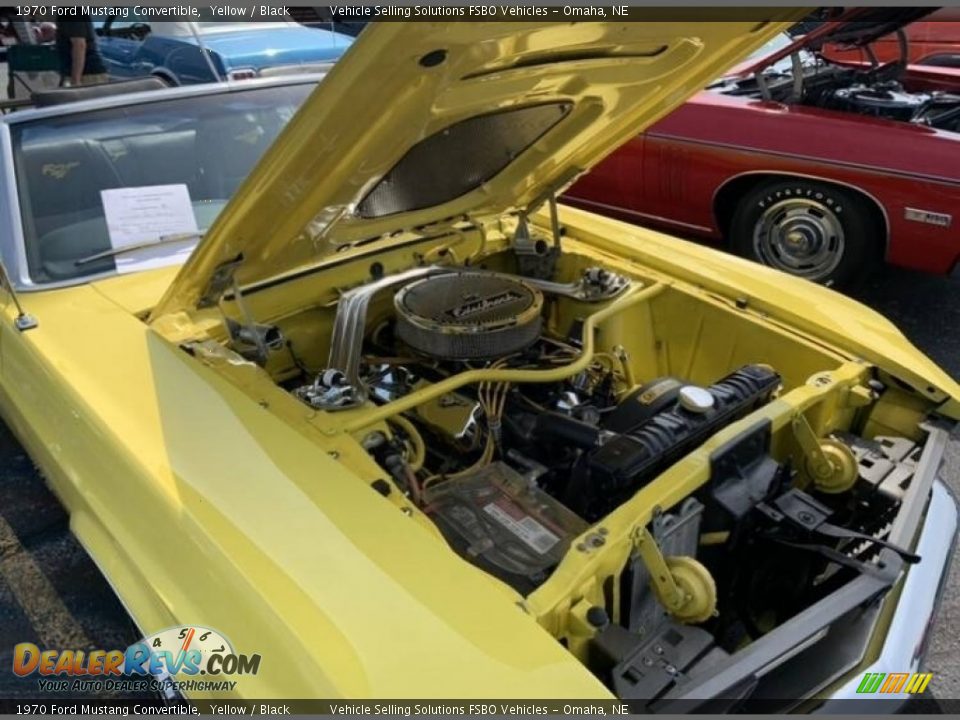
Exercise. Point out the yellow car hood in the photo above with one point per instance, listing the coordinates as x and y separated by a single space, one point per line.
515 111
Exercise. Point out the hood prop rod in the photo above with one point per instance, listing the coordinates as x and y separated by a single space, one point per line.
554 222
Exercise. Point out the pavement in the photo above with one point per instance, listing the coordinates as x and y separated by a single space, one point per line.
926 308
51 593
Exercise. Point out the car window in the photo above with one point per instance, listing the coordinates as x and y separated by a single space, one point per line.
132 24
128 30
206 143
119 25
778 42
951 60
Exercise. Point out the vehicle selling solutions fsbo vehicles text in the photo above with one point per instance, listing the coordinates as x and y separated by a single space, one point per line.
478 11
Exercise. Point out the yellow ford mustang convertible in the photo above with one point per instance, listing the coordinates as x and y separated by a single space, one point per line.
404 427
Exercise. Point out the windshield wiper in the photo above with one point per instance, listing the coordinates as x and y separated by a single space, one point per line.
162 240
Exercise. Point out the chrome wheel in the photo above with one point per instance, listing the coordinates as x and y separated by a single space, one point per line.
801 236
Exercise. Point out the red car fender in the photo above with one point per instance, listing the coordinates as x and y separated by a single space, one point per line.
689 170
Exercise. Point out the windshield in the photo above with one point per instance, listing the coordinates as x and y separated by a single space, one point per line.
159 168
778 42
782 66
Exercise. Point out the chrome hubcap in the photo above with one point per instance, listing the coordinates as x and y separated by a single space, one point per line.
800 236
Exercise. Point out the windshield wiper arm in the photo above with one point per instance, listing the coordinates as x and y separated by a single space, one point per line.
162 240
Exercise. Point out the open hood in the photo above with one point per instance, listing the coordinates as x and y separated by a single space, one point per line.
850 28
422 125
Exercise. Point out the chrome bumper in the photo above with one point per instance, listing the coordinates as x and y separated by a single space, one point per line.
907 636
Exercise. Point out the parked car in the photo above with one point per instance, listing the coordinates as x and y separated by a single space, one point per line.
174 51
933 41
322 16
403 427
812 167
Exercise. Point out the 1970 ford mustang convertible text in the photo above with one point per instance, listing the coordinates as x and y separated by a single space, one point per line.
406 428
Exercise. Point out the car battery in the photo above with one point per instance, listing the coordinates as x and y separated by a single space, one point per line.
504 524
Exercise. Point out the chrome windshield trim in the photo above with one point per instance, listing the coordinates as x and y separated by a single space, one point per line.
160 95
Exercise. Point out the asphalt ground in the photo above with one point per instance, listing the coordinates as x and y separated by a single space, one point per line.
52 594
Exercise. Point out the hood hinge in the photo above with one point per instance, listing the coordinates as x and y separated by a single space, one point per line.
252 340
536 257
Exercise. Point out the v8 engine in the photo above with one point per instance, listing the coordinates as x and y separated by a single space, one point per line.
516 470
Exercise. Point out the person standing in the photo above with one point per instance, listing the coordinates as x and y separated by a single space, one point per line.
80 59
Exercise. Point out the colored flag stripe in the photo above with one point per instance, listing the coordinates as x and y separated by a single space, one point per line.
865 683
895 682
892 683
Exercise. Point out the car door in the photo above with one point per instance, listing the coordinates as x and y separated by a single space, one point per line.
120 41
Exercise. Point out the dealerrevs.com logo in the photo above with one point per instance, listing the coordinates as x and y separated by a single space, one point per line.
184 652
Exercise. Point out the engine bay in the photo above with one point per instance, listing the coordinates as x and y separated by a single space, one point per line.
665 480
883 91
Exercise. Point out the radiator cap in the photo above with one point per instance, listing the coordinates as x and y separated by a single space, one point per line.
695 399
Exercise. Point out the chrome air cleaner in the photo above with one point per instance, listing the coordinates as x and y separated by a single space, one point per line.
468 315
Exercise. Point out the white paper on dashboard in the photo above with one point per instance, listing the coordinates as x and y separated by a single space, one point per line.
138 215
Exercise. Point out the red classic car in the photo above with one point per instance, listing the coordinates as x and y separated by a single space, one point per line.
816 167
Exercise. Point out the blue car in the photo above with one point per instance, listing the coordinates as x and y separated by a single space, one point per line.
184 53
